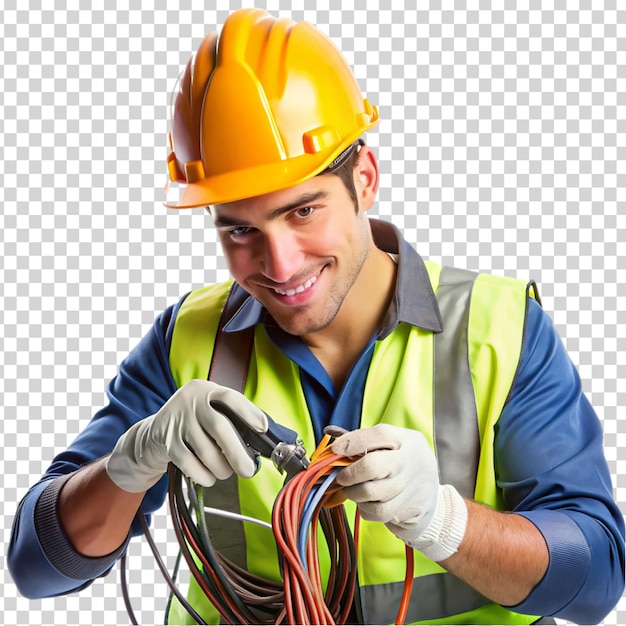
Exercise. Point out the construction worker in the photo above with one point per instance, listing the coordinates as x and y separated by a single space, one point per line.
474 442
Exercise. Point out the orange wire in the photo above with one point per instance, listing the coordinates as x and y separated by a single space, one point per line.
286 518
408 586
323 452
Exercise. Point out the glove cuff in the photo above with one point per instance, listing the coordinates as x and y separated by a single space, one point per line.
444 534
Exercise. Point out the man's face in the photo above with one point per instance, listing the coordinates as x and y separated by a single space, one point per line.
298 251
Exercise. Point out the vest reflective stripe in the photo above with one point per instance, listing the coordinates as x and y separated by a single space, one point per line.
433 596
437 593
455 417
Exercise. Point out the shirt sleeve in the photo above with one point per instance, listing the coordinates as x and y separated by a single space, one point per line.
40 558
551 468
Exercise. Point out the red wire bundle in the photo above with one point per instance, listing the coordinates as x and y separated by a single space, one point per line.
305 600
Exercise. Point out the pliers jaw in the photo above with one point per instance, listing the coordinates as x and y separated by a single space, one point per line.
290 458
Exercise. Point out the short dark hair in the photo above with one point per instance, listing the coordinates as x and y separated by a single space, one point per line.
343 167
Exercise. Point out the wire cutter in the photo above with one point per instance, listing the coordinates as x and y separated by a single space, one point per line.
279 443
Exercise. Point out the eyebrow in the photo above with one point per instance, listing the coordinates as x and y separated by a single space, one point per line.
303 200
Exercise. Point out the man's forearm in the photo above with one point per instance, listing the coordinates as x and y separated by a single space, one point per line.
94 512
502 555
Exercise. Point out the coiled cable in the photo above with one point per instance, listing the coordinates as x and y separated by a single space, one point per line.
310 501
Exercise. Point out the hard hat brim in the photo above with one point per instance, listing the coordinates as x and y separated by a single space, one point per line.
259 180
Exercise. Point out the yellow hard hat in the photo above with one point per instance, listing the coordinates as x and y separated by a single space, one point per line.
264 106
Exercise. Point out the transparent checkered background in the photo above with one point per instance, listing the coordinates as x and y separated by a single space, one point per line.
502 148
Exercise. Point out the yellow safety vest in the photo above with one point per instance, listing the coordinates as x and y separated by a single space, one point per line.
452 386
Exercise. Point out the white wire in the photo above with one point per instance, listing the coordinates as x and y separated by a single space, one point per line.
237 516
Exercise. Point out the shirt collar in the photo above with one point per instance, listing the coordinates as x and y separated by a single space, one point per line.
414 300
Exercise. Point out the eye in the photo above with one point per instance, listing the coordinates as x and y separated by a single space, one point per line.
305 211
238 231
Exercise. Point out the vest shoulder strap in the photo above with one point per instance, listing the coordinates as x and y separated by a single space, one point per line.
231 354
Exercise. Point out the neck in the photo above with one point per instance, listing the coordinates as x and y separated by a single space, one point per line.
339 345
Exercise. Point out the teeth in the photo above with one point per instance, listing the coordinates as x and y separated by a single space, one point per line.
298 289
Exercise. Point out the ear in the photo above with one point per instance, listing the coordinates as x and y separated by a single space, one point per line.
366 178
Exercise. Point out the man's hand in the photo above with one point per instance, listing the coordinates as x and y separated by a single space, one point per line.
192 431
396 482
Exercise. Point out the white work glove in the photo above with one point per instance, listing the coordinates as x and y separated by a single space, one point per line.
193 431
396 481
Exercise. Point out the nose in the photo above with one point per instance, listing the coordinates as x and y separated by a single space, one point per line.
282 257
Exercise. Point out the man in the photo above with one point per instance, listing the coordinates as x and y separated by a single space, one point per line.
465 414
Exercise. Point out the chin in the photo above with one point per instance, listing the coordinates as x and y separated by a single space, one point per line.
299 327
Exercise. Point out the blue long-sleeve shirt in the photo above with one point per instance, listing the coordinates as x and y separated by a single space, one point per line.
563 487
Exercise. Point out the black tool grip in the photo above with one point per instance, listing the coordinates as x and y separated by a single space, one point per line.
261 443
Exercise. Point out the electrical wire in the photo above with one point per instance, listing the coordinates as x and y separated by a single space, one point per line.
241 597
408 586
309 502
238 595
169 579
297 509
236 516
124 584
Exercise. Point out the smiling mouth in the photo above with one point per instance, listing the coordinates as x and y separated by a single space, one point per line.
299 289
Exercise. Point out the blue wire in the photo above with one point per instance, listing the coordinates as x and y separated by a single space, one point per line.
313 499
